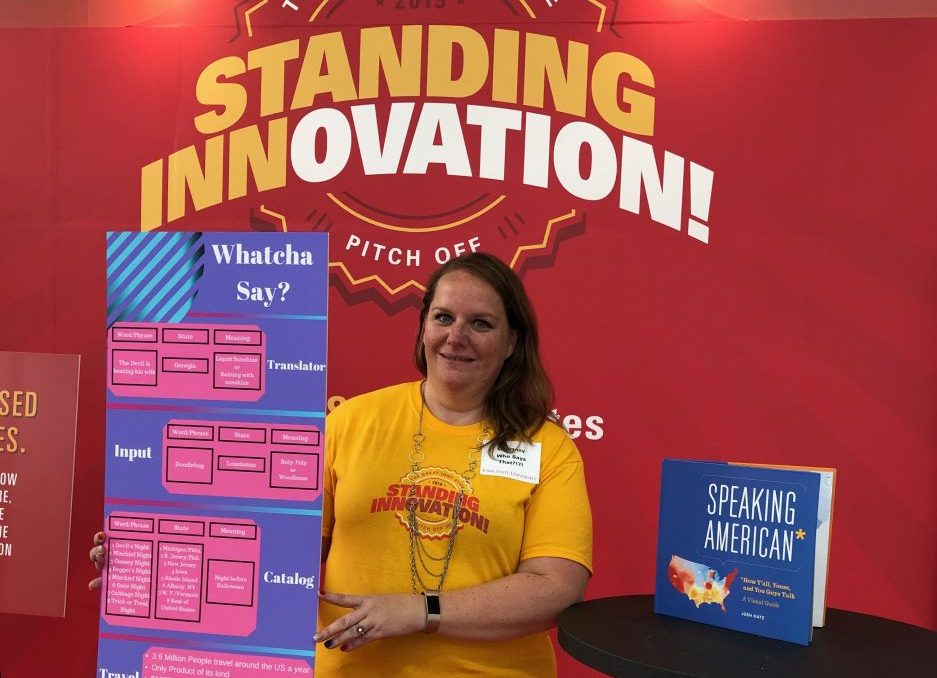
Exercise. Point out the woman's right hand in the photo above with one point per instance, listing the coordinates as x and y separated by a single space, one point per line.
98 555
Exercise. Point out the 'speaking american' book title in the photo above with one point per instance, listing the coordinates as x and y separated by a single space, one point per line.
744 547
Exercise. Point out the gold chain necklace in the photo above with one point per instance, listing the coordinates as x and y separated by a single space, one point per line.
438 567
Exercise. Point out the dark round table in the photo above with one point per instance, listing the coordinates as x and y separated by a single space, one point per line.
622 636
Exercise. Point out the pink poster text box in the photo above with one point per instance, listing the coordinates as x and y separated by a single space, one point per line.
190 361
230 582
179 582
289 469
159 662
133 367
188 464
155 580
130 564
259 460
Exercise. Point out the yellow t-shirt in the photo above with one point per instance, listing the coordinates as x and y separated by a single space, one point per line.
503 521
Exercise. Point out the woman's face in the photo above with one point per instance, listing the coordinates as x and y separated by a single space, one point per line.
466 335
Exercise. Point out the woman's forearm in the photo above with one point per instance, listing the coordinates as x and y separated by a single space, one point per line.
517 605
522 603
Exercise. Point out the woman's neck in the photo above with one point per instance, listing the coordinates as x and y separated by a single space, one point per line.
452 408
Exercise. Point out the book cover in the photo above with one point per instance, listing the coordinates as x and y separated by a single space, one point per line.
824 534
38 418
736 547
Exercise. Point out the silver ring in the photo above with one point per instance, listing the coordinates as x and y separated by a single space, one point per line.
359 629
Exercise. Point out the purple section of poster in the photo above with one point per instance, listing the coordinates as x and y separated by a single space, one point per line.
216 351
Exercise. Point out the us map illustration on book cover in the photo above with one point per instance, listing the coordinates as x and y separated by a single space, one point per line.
736 547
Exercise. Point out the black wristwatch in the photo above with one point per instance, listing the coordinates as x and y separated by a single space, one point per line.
433 612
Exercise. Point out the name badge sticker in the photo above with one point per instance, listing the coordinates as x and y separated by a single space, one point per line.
522 463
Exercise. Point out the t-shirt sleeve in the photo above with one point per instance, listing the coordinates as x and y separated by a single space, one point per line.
558 521
332 427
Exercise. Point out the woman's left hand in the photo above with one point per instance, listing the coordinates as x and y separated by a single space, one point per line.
371 618
98 555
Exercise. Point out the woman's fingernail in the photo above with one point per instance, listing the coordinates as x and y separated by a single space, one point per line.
315 638
344 648
328 644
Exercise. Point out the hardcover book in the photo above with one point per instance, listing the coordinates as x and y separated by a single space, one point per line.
744 546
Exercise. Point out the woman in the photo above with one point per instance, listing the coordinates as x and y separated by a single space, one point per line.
398 463
456 524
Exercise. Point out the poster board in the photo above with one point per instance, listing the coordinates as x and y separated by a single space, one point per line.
216 347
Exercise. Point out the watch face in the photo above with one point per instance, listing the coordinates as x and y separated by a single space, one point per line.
432 603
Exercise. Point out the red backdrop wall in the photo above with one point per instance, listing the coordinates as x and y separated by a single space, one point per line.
797 327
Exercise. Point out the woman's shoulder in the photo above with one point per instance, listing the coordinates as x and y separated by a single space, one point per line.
552 430
556 442
372 401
